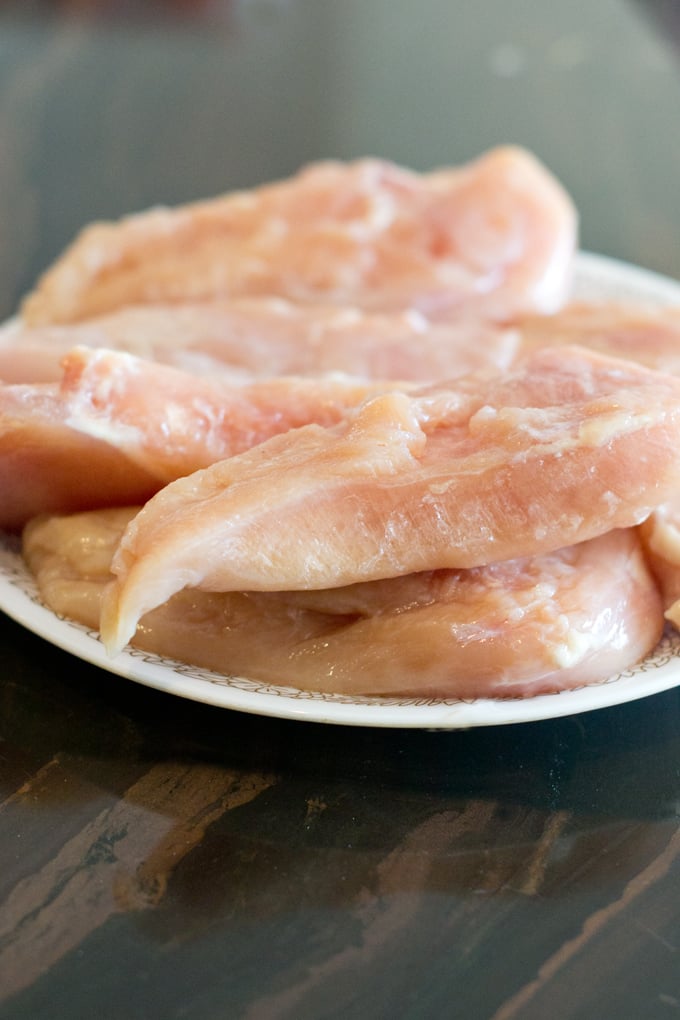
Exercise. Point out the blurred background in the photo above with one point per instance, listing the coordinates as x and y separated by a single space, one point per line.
587 85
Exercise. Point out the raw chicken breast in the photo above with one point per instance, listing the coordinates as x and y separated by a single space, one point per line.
173 423
494 238
649 336
569 446
260 337
512 629
660 535
119 428
254 338
48 467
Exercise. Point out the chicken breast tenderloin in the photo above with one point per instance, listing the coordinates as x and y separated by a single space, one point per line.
569 446
137 426
492 239
513 629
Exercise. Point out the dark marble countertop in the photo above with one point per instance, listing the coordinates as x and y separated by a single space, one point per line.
165 859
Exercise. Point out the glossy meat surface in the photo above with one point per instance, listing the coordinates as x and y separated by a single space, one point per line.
648 336
174 423
118 428
660 535
254 338
513 629
568 447
494 238
48 467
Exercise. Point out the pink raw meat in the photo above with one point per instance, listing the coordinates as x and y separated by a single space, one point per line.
512 629
568 447
492 239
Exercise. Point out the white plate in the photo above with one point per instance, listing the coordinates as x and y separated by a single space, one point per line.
597 278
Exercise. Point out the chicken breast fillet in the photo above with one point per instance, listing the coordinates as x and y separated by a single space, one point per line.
569 446
514 629
492 239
